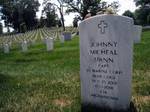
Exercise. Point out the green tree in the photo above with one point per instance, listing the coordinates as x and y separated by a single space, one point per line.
2 2
83 7
59 23
59 6
1 28
75 21
51 16
142 3
148 19
128 13
18 12
30 7
143 12
6 10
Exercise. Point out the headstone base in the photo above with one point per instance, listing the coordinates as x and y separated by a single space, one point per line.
93 108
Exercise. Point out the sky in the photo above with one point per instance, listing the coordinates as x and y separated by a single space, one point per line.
124 5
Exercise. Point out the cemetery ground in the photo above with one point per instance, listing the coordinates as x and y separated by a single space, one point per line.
40 81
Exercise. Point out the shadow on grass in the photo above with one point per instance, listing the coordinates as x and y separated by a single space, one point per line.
6 89
34 52
25 60
4 78
93 108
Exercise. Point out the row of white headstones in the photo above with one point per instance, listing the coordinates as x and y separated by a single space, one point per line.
31 36
24 45
47 35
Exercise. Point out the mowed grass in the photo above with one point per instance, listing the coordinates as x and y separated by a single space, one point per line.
141 74
40 81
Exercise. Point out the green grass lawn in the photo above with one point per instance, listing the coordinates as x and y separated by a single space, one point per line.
141 74
40 81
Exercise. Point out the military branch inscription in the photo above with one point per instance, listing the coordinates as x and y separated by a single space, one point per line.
103 78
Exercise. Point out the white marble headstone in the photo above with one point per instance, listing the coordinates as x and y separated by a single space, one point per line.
33 42
6 48
24 46
106 45
137 31
62 39
44 40
49 44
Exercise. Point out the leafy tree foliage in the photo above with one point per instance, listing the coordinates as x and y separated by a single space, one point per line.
143 13
128 13
59 23
60 7
83 7
19 12
2 2
51 16
1 28
6 11
148 19
142 3
75 21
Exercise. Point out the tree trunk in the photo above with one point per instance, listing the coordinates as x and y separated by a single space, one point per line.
62 19
8 30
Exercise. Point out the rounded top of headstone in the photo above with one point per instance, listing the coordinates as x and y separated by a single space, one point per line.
6 44
51 38
23 41
103 16
139 26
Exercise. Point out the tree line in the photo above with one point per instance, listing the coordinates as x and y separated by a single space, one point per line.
141 16
21 14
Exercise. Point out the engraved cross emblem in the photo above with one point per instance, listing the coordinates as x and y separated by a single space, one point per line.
102 26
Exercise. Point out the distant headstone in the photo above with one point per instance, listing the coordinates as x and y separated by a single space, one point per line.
10 44
106 51
33 42
67 36
74 34
62 39
24 46
49 44
44 40
137 31
146 28
6 48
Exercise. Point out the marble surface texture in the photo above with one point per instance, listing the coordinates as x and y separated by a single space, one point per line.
106 52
